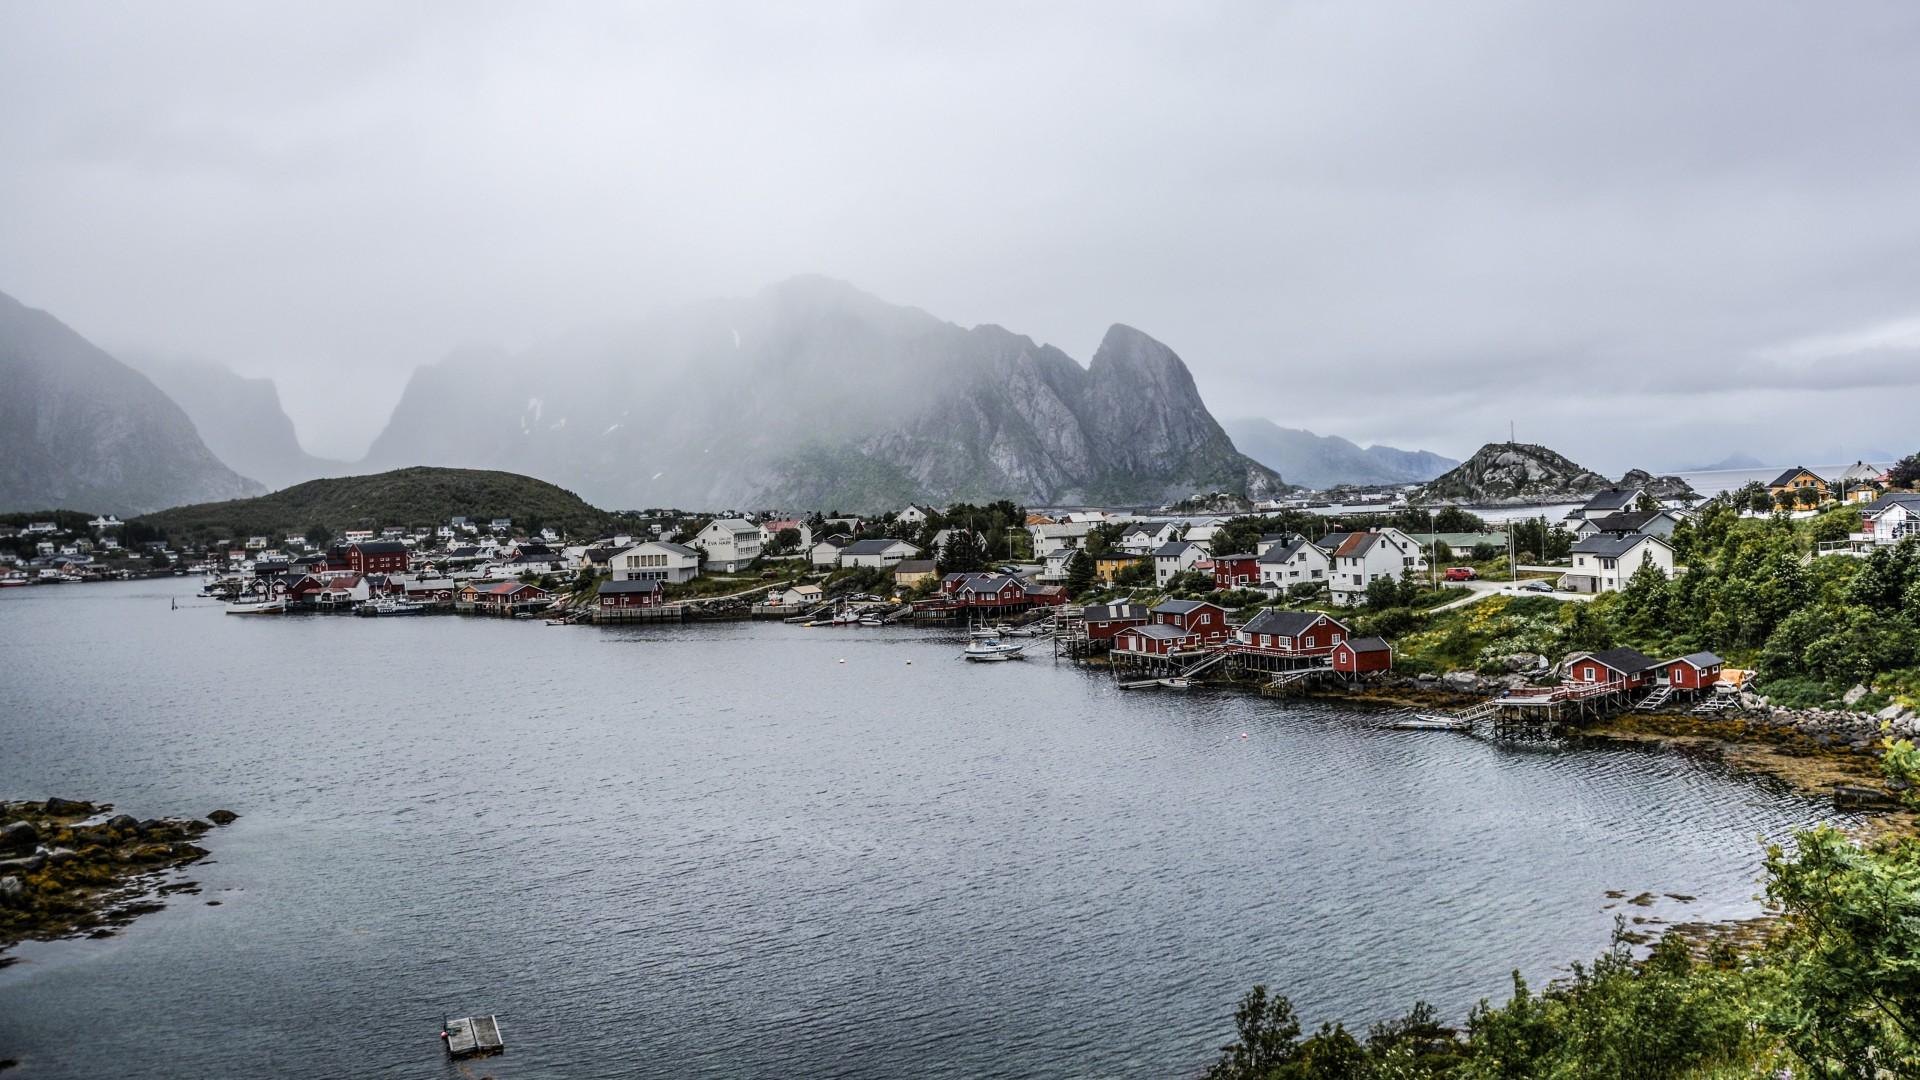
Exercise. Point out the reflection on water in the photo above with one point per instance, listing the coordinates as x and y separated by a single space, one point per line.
718 851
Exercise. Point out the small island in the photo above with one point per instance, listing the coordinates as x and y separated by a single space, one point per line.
71 868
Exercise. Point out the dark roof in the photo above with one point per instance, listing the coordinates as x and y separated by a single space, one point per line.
1236 555
1909 499
1612 499
1171 549
1625 661
872 547
1181 607
1113 612
1369 644
837 540
627 587
380 547
914 566
1700 660
1281 623
1280 553
1612 545
1625 521
599 556
677 549
1157 630
1786 478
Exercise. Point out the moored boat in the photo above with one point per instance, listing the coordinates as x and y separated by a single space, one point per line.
258 607
991 649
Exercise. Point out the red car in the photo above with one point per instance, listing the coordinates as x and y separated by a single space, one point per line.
1461 573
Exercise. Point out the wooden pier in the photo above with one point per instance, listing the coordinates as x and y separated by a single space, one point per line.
470 1036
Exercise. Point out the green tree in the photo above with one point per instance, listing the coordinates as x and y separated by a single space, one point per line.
963 553
1267 1031
1079 574
319 536
1453 519
1905 472
1808 497
785 541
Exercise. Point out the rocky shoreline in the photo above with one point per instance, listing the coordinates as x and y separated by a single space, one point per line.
71 868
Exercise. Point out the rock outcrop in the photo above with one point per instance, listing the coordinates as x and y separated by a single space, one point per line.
1521 474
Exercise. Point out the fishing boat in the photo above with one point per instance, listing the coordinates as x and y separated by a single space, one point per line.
258 607
990 649
392 605
1429 722
13 578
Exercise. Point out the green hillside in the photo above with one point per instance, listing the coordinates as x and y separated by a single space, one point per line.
409 497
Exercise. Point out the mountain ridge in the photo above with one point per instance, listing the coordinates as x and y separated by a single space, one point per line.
1324 461
81 430
240 419
812 393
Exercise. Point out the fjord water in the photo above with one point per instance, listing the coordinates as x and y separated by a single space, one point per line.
718 850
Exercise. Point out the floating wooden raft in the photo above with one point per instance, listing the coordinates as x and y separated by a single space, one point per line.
472 1035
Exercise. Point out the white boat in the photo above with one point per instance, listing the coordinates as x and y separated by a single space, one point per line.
991 648
258 607
392 605
14 577
872 620
1177 682
1429 722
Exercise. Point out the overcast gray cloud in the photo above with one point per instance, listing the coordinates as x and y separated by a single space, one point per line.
1646 233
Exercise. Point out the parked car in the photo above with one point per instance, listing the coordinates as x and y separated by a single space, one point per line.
1462 573
1536 585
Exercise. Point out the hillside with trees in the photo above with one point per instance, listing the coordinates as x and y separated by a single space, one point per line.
415 497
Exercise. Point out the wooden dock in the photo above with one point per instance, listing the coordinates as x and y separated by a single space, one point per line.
473 1035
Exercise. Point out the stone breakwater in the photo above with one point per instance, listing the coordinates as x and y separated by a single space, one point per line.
70 868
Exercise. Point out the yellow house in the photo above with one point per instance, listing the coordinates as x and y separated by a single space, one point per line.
912 573
1795 479
1107 567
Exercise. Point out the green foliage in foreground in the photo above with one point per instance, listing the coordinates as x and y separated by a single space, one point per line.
1834 994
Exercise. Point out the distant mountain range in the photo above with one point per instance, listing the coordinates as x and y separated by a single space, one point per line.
240 419
80 430
814 394
1324 461
1730 462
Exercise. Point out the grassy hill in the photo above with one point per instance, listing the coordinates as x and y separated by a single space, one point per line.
410 497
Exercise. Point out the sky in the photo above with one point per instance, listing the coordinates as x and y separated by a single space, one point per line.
1644 234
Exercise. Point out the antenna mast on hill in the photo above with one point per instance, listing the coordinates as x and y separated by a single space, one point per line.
1511 441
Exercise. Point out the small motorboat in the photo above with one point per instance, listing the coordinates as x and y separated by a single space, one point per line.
1177 682
1428 722
258 607
991 649
872 620
392 605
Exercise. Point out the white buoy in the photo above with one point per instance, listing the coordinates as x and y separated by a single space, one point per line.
843 659
1243 734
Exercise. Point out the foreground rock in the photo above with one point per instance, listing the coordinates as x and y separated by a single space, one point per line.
68 872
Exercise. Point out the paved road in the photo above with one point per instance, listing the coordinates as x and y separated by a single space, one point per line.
1479 590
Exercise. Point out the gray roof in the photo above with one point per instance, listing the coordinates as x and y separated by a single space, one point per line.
1786 478
914 566
1111 612
1625 661
1611 545
1700 660
1909 499
1612 499
628 587
1181 607
1626 521
872 547
1281 623
1369 644
1173 549
1158 630
1280 553
677 549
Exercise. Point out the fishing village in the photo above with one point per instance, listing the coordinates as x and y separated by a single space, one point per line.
1283 599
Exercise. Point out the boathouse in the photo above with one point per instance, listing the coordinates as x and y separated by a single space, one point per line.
1205 621
1155 639
1290 634
1362 656
502 597
1241 571
1105 620
628 594
1694 671
1629 668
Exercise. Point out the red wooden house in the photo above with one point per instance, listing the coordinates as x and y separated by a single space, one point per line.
502 595
629 594
1198 618
377 557
1290 633
1694 671
1105 620
1362 656
1236 571
1630 668
1155 639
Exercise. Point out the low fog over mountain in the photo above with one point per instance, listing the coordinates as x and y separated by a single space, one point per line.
812 393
